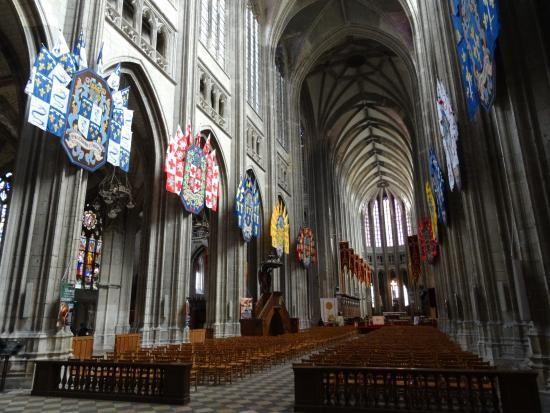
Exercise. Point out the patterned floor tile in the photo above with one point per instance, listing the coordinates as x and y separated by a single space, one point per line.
271 390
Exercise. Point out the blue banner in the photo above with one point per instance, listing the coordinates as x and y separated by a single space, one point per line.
477 26
247 208
438 187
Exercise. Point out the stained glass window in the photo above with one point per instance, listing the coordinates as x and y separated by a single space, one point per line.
367 227
89 250
252 60
212 28
5 191
281 108
399 222
199 268
376 218
394 289
387 222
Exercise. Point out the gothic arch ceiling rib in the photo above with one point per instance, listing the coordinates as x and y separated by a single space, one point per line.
364 121
357 94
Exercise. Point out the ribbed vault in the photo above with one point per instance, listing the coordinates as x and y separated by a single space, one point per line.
351 61
358 98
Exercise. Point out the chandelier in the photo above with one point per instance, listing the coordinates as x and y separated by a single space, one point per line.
201 227
116 194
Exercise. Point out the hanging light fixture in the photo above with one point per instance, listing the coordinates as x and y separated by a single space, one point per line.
116 194
201 227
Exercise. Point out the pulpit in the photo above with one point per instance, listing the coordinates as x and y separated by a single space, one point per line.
270 316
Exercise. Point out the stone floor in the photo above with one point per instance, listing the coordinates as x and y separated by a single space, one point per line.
268 391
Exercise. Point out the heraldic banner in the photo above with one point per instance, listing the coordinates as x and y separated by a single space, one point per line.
191 172
449 134
247 208
85 139
438 186
415 269
83 117
477 27
305 247
280 230
194 180
427 241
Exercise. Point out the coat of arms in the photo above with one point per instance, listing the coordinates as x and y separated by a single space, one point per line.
194 180
88 118
449 132
280 230
438 186
477 26
433 210
305 247
247 207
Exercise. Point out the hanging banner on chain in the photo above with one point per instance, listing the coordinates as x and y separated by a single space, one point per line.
212 181
88 120
427 241
414 257
438 186
192 172
305 247
194 180
81 116
49 95
449 134
280 230
432 209
247 208
477 27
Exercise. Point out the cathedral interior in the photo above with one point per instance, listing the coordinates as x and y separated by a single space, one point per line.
245 193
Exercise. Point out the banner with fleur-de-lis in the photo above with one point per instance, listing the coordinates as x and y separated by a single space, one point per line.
477 26
75 103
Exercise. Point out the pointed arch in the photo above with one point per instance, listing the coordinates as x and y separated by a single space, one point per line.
141 252
22 31
218 230
254 249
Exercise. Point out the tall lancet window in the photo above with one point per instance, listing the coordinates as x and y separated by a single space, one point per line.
387 222
399 222
408 219
89 249
281 108
212 28
252 60
376 221
367 226
199 268
5 191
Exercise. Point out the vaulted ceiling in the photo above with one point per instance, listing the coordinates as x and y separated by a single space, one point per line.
352 59
358 100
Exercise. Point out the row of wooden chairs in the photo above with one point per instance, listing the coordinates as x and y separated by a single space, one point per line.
399 347
220 361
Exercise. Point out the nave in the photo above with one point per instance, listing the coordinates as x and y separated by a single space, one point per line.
263 167
391 368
